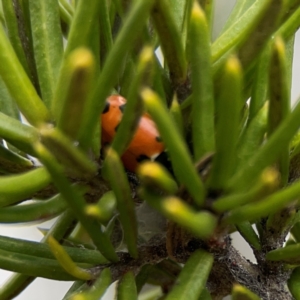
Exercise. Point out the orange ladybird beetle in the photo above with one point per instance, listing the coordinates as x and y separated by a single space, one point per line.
146 143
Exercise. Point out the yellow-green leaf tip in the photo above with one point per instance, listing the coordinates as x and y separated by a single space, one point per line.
82 58
152 173
233 66
197 12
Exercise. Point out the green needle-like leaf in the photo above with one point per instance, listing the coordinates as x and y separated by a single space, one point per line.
153 175
2 20
80 35
106 40
247 232
97 290
15 285
263 30
267 206
127 288
130 69
201 224
187 102
68 154
31 182
186 22
279 102
66 262
268 182
62 227
18 282
175 110
227 164
33 266
291 6
202 85
12 162
259 92
268 153
39 210
252 137
192 279
289 254
78 76
119 183
170 41
47 44
240 30
20 135
134 106
75 288
13 32
37 249
239 9
7 104
142 277
131 28
181 161
76 203
68 6
288 28
104 210
161 82
228 107
25 33
177 8
205 295
288 61
19 85
294 283
66 18
80 31
208 7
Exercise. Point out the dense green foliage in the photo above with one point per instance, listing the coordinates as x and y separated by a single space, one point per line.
223 111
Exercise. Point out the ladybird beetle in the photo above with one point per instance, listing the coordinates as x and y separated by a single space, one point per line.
146 143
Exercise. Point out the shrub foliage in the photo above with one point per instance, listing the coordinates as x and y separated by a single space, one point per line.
223 111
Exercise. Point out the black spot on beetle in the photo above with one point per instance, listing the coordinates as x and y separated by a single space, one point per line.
106 108
158 139
163 159
142 157
122 107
